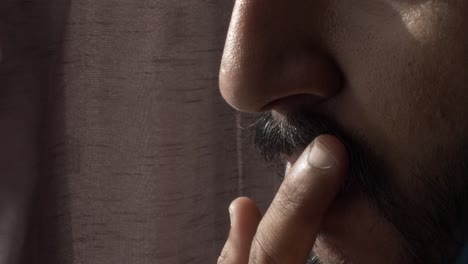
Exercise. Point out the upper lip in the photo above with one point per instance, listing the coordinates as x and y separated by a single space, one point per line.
294 156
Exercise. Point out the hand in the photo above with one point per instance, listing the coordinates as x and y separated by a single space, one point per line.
287 232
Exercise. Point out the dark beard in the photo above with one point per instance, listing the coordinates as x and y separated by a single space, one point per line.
430 224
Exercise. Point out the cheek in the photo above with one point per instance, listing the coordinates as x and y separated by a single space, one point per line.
422 19
374 55
396 72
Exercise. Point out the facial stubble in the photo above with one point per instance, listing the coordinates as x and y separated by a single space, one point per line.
416 223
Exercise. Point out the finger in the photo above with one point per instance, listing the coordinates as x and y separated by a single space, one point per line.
289 228
245 218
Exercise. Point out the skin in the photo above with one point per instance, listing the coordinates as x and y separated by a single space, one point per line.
289 228
392 70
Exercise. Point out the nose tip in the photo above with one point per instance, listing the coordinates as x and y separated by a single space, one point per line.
267 58
260 86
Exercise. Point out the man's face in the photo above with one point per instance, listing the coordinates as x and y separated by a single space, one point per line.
390 78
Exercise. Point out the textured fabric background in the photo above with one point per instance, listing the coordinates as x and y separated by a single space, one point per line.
116 144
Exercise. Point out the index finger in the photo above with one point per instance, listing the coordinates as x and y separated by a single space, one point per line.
289 228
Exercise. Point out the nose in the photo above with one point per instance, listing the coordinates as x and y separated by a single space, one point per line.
273 55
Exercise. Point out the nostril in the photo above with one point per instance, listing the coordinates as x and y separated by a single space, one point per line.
262 70
250 88
294 102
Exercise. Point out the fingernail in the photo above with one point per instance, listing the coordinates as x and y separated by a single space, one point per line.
231 215
320 157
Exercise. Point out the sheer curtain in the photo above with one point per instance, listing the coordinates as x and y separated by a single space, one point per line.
117 146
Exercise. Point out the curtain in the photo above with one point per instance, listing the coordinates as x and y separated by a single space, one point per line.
116 144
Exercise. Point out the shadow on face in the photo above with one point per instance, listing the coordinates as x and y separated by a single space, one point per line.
393 71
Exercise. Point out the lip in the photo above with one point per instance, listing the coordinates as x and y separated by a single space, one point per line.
291 159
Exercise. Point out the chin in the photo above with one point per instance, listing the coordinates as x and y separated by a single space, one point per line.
353 233
326 252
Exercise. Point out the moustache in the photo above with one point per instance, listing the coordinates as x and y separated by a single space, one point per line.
277 138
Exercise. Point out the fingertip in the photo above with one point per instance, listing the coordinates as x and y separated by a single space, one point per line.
242 202
297 211
244 213
245 218
336 148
